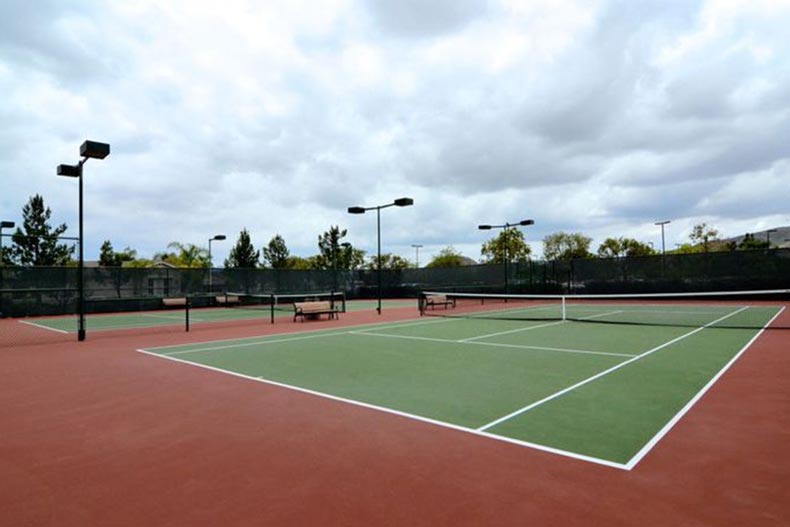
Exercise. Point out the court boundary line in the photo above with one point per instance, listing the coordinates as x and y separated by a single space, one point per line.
405 323
493 344
529 328
43 327
598 375
648 447
399 413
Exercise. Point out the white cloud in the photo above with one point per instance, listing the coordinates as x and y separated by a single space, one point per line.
598 117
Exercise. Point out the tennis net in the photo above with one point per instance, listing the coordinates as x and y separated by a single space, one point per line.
741 309
280 302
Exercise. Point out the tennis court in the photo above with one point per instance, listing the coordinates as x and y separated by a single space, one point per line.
602 382
177 317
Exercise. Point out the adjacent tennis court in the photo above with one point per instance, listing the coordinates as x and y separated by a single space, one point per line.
601 382
177 317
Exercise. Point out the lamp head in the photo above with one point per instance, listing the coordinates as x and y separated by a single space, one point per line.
484 227
68 170
7 224
94 150
403 202
219 237
356 210
527 222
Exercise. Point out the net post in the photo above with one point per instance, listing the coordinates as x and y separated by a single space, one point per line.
564 312
421 304
271 306
186 306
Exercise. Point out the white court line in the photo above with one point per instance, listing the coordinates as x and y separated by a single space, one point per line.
167 317
683 411
247 344
399 413
603 373
494 344
270 340
529 328
42 327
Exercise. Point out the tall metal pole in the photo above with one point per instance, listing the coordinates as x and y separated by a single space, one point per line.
506 256
81 271
663 244
210 264
378 236
417 254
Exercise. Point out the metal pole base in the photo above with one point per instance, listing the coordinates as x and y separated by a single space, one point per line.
81 335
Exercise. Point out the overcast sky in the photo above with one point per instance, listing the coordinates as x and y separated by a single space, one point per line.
594 117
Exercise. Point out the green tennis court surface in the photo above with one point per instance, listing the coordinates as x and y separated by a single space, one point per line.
196 316
601 392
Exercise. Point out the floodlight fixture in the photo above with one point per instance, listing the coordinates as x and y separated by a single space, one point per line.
217 237
69 170
400 202
94 150
417 248
663 242
4 225
505 227
88 150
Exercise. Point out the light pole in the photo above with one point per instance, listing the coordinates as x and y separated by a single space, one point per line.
417 248
768 236
505 228
346 246
400 202
663 245
4 225
218 237
88 150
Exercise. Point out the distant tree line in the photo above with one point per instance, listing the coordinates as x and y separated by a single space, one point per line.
37 243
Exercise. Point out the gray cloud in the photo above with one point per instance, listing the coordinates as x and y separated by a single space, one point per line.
415 18
276 117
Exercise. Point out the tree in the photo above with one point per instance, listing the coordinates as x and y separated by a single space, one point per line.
243 255
618 247
38 243
332 253
447 257
389 261
109 258
276 254
750 242
188 255
702 235
300 264
566 246
510 242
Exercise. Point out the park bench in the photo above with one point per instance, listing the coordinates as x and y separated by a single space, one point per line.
227 300
439 300
314 309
